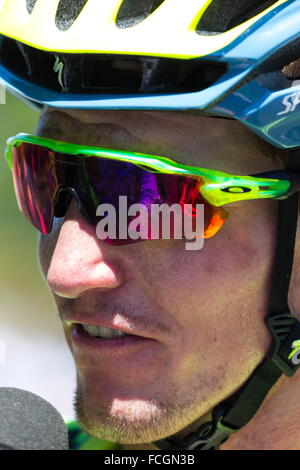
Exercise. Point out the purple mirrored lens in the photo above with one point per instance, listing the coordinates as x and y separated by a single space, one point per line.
35 184
40 174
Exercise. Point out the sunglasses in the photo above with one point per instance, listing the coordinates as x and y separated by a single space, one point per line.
47 174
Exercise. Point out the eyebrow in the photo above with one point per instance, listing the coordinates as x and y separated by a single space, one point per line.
53 130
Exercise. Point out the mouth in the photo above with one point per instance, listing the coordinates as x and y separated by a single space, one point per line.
112 325
104 340
103 332
109 359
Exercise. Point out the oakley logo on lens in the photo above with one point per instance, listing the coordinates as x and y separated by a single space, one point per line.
152 222
236 190
290 102
295 354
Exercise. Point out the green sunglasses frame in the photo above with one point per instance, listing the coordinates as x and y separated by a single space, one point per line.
218 188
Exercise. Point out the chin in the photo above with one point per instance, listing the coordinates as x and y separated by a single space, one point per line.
125 421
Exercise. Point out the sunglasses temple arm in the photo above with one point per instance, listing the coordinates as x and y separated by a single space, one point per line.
292 176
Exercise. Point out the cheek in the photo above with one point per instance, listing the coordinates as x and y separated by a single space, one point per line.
235 261
220 292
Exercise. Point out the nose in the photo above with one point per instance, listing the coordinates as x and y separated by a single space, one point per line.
79 261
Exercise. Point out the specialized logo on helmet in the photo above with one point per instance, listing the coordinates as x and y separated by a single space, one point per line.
58 68
295 354
290 102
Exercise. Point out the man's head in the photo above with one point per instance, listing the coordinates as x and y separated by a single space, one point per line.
191 305
181 330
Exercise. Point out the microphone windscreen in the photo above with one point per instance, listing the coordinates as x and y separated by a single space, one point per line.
28 422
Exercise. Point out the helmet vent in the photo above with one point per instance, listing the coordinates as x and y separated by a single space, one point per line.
221 16
30 4
133 12
67 12
107 74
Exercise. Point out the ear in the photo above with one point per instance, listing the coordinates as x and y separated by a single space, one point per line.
292 70
294 291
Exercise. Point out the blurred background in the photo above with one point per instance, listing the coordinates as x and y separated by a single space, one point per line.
33 353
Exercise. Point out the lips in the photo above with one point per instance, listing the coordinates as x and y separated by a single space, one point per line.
78 329
108 349
118 323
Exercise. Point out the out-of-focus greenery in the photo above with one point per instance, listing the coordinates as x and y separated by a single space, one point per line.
36 355
15 117
18 239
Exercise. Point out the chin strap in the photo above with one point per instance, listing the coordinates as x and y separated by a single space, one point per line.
237 410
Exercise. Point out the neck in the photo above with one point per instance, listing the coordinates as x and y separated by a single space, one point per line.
276 425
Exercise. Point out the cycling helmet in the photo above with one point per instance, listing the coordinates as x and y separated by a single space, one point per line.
221 58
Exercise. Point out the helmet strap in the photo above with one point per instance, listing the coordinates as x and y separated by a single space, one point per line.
237 410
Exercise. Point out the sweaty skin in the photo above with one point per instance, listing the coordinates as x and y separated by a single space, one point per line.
203 310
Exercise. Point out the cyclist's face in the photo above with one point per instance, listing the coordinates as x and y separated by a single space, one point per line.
201 311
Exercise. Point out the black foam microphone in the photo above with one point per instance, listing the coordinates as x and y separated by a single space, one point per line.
28 422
